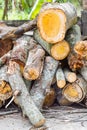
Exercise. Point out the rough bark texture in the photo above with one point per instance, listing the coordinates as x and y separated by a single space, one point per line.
25 101
3 74
42 85
83 72
73 35
58 51
5 58
4 28
42 42
48 30
75 61
81 48
28 84
20 50
16 32
5 46
76 92
69 75
83 85
61 82
61 99
5 89
49 98
34 64
84 22
15 23
22 46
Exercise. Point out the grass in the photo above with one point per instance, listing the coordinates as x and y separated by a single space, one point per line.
1 13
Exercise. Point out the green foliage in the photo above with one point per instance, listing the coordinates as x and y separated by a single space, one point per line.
36 8
1 13
17 15
27 9
25 5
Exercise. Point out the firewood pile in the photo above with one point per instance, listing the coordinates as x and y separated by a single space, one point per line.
51 64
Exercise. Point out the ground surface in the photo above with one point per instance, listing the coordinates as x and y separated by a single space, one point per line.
58 119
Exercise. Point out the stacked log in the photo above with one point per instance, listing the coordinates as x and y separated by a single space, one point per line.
25 101
47 66
5 88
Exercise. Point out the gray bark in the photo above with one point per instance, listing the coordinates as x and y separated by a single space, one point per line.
34 64
25 101
42 85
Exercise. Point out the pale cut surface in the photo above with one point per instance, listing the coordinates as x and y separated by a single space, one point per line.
5 91
73 92
61 83
60 50
31 74
52 24
81 48
71 77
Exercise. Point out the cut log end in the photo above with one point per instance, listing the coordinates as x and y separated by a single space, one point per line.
31 74
50 98
81 48
71 77
52 24
72 92
60 50
40 123
5 90
61 83
4 87
75 62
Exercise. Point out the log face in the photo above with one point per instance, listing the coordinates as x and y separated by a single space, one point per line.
5 88
60 50
81 48
72 92
5 46
48 30
66 13
69 75
5 91
77 91
75 61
